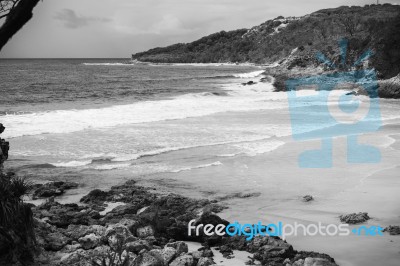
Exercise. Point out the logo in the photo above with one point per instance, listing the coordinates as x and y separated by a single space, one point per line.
328 111
281 230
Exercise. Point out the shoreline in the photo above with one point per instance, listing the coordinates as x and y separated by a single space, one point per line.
68 222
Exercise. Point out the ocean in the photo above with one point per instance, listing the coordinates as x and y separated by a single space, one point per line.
77 119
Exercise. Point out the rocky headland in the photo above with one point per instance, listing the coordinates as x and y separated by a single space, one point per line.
304 46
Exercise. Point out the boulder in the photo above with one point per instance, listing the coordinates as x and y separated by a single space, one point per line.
317 262
308 198
90 241
392 229
138 246
354 218
52 189
146 259
184 260
145 231
205 261
168 254
180 247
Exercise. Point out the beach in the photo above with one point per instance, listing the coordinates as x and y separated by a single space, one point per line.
210 136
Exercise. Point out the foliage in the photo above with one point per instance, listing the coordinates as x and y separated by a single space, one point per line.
115 257
371 26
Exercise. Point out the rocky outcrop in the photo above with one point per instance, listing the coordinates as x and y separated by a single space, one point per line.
392 230
293 42
51 189
390 88
354 218
149 230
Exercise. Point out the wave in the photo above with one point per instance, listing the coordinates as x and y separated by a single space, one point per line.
238 98
250 75
108 64
197 167
72 163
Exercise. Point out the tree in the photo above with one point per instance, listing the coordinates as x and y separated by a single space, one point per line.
16 14
350 23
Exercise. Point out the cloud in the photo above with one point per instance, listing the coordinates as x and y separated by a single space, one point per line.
73 21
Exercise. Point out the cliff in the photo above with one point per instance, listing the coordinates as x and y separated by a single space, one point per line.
293 42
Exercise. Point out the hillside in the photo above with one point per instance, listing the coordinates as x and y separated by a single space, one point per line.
293 42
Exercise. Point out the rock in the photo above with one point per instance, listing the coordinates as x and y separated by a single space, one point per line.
117 234
52 189
130 224
77 231
249 83
48 237
308 198
71 248
184 260
392 229
168 254
197 254
317 262
205 262
138 246
90 241
144 232
146 259
95 196
180 247
354 218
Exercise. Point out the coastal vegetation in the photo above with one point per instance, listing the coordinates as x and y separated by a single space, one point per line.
293 42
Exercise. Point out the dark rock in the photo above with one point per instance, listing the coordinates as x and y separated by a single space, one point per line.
392 229
354 218
146 259
180 247
52 189
308 198
95 196
138 246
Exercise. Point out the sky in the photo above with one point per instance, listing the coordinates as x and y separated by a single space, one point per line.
118 28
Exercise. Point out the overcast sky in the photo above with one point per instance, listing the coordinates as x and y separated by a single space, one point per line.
118 28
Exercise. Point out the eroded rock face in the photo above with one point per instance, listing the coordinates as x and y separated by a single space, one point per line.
354 218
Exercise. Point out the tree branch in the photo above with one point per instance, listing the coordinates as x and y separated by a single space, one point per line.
16 18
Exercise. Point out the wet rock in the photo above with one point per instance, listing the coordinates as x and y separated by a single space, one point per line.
95 196
52 189
180 247
90 241
392 229
184 260
354 218
308 198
